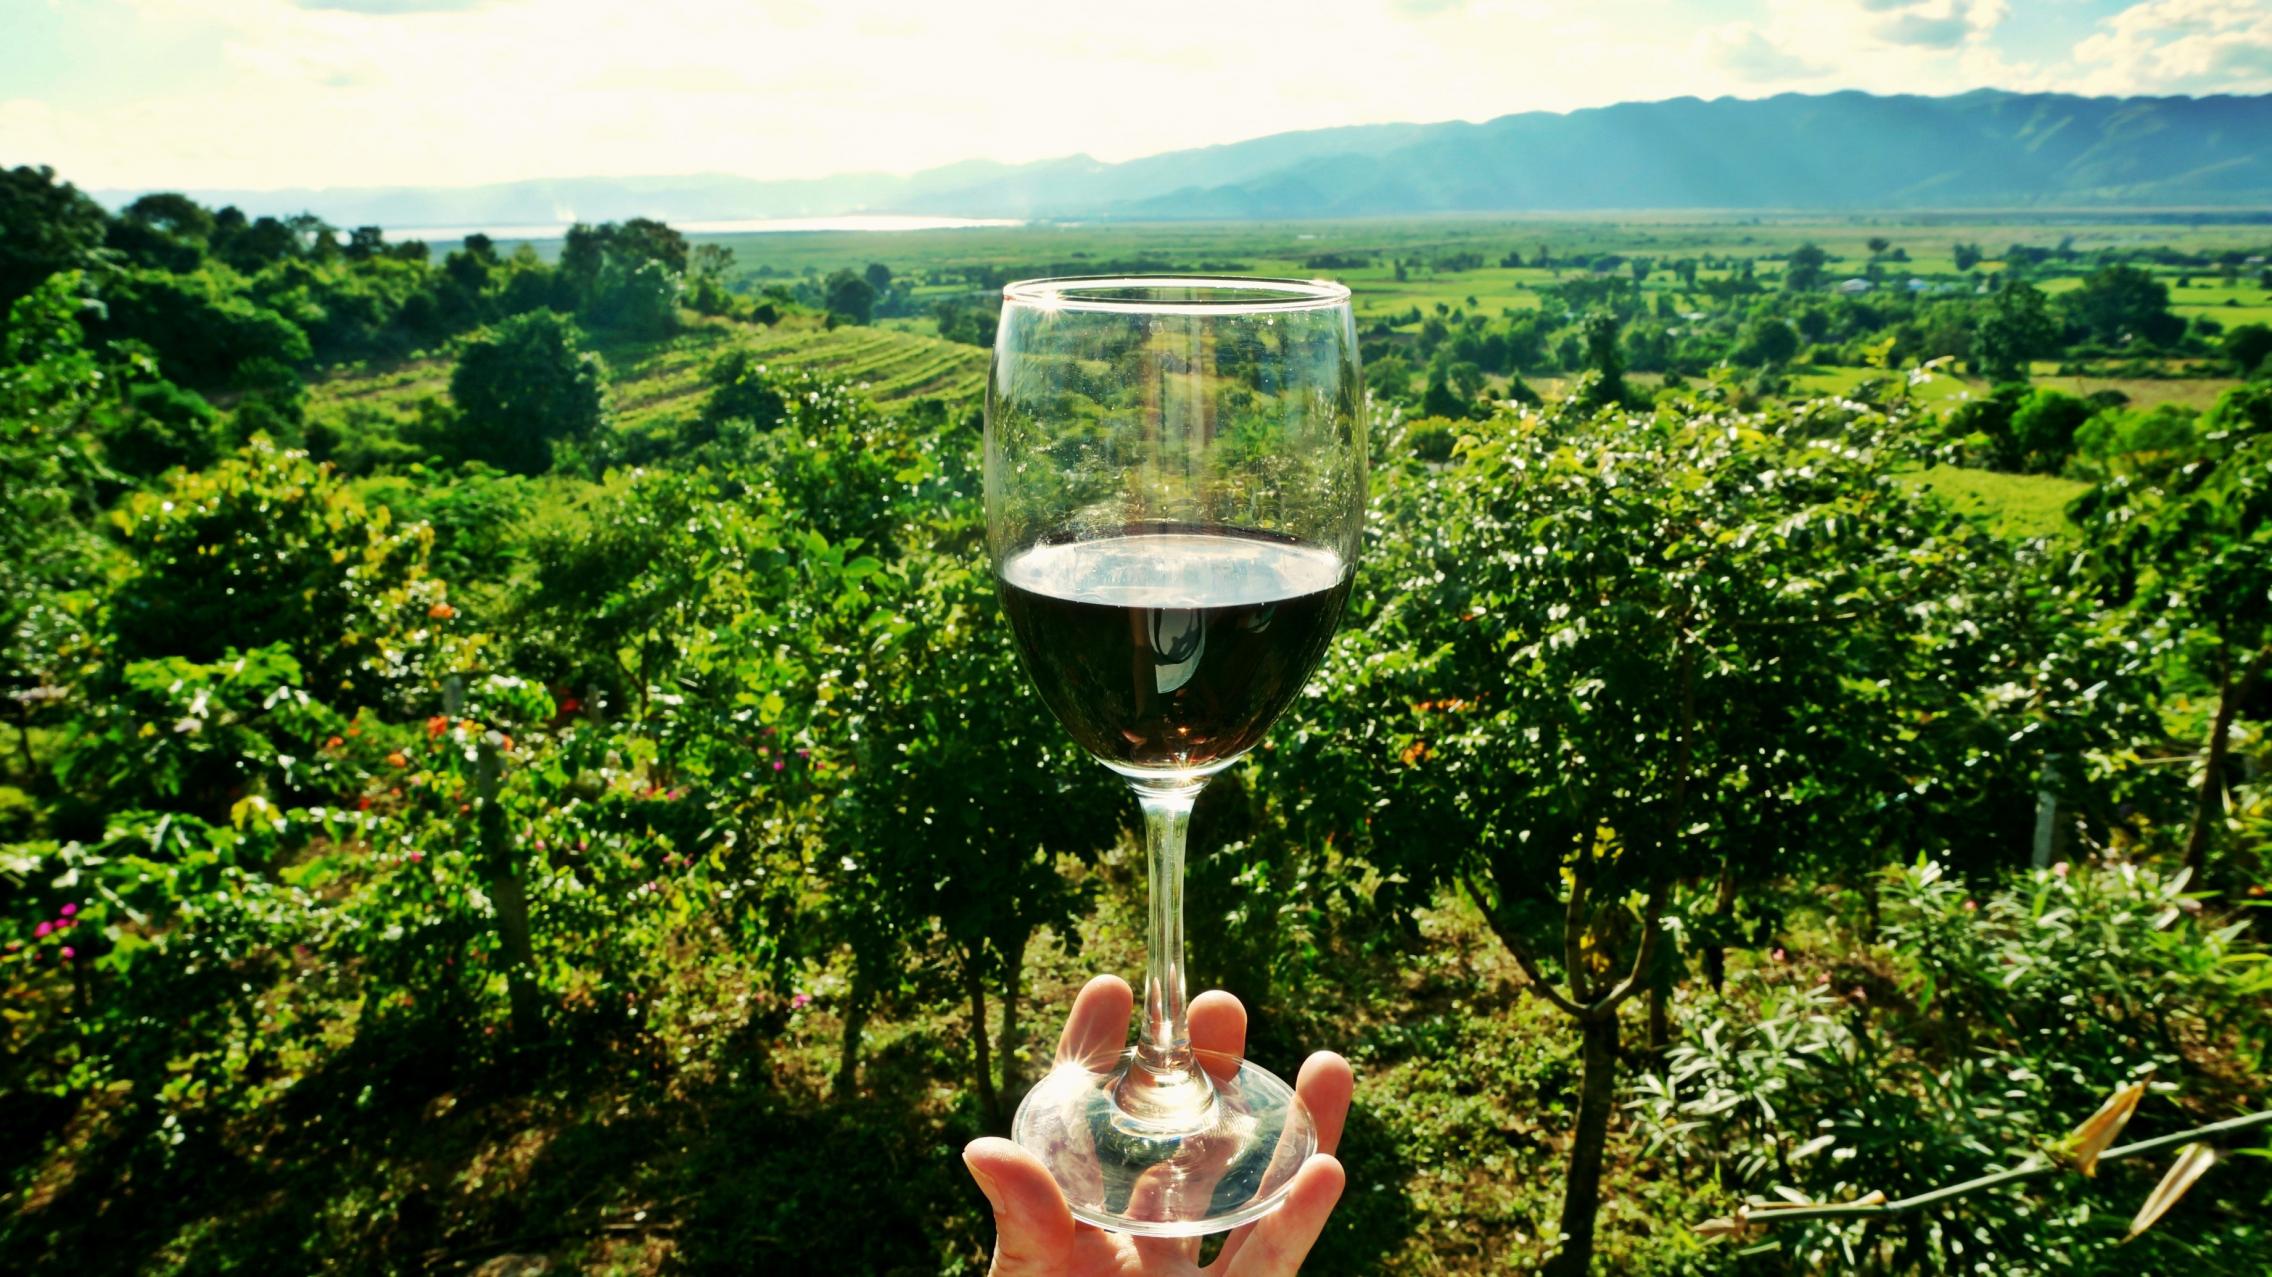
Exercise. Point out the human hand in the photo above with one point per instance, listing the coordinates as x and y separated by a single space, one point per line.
1035 1232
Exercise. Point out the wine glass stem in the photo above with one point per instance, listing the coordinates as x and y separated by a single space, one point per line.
1165 1047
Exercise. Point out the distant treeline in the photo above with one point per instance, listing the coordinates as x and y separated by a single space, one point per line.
195 307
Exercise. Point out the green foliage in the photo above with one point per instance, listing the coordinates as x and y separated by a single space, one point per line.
2016 327
2013 1011
202 325
742 389
712 773
850 297
46 227
523 388
174 734
161 426
269 548
2043 430
2120 304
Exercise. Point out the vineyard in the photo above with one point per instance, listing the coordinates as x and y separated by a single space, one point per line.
517 766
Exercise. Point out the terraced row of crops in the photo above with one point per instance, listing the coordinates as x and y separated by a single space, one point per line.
657 378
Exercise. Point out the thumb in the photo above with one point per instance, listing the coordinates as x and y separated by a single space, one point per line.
1033 1229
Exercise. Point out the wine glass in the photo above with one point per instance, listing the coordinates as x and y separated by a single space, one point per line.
1175 489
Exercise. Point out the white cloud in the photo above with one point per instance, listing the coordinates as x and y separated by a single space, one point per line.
1935 24
2181 46
1740 49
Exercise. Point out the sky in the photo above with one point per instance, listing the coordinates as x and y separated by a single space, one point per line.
262 94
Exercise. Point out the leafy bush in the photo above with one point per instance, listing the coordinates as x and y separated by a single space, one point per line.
2011 1013
267 548
175 734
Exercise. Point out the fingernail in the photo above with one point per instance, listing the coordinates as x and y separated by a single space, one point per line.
985 1185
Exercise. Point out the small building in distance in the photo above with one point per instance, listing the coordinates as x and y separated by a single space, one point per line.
1855 287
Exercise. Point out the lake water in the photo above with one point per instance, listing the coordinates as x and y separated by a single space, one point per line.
736 226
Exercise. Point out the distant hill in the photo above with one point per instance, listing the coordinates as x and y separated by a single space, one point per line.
1985 149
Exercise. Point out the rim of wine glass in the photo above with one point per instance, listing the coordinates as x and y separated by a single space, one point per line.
1065 292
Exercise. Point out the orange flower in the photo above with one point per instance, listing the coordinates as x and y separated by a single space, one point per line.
441 612
396 759
436 725
1414 752
505 743
334 743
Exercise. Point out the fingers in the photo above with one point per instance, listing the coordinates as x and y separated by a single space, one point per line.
1324 1085
1218 1033
1031 1223
1278 1244
1097 1030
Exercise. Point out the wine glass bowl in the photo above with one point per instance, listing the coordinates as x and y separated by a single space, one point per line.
1175 490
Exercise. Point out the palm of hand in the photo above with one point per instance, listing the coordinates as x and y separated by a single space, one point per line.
1036 1234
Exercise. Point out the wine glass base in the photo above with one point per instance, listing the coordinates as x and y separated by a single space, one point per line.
1222 1163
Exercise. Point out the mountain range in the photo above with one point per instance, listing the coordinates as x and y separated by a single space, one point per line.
1986 149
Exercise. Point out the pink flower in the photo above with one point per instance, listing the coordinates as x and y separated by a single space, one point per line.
804 753
778 764
1972 906
2060 869
68 910
69 953
800 1002
583 844
1857 994
1781 956
417 856
540 844
42 929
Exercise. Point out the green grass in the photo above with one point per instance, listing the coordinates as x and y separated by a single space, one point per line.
2015 505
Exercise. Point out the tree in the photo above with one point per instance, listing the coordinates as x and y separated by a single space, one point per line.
1768 343
643 239
365 243
2016 327
2043 432
45 226
942 702
1598 352
2118 304
524 386
1966 256
707 269
2182 539
1878 244
1440 399
637 297
171 214
1805 268
1635 652
201 325
878 276
51 388
2247 346
849 297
